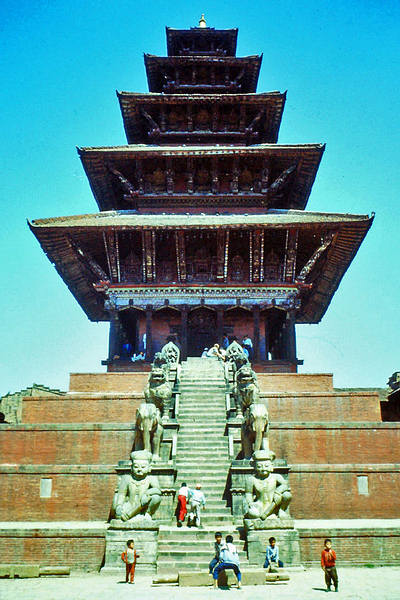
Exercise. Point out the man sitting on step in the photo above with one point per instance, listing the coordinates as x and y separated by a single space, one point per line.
197 501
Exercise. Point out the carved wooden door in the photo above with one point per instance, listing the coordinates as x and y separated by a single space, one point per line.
201 330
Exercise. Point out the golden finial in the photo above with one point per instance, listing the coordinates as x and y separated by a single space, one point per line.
202 22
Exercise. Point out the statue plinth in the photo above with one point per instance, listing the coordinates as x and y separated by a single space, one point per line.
287 539
267 524
138 523
145 534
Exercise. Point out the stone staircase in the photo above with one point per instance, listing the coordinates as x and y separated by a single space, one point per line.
202 457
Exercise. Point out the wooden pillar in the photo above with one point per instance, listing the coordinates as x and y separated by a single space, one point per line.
114 339
256 333
184 332
220 324
291 336
149 332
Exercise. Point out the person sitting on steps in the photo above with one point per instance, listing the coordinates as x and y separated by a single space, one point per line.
272 555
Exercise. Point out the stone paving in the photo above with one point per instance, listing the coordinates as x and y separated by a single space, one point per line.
381 583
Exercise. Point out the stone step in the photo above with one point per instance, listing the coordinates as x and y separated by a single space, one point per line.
198 430
201 473
186 553
174 532
207 413
212 450
170 564
203 463
205 453
205 421
192 543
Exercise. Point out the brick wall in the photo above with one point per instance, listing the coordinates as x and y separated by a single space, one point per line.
65 444
108 382
336 443
78 549
320 406
84 495
80 408
353 547
295 382
331 492
300 406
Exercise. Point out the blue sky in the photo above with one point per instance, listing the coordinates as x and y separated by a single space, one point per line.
60 65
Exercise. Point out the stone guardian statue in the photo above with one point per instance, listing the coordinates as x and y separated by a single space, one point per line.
267 494
139 494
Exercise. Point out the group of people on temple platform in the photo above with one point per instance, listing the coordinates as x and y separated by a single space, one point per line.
219 350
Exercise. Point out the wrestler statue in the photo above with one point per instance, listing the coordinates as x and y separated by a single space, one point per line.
139 494
267 494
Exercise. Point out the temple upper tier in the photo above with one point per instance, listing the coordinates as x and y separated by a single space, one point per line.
290 259
206 178
198 41
202 118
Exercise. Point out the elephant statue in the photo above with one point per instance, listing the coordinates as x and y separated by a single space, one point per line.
254 430
148 430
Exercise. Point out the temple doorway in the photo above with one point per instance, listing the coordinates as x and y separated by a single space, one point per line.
130 332
275 340
202 330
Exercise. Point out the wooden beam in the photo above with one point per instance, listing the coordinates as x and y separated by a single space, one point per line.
148 243
149 333
250 256
220 254
289 267
256 247
326 241
180 255
87 260
144 273
111 251
226 255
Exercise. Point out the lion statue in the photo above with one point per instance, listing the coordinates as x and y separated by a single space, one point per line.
158 390
246 388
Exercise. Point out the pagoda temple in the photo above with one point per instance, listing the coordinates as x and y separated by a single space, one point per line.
202 229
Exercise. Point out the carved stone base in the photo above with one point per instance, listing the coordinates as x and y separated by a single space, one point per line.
287 540
270 523
145 534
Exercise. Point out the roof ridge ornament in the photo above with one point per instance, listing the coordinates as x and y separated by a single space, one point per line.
202 22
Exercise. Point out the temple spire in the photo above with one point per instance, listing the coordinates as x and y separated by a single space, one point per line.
202 22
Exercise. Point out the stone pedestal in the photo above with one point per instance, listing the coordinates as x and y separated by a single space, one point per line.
145 534
287 540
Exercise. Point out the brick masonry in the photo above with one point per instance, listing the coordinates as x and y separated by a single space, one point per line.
120 408
135 382
371 545
81 408
82 547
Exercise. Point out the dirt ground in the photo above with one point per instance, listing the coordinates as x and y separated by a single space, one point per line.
381 583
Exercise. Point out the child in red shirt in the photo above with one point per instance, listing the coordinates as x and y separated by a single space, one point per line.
328 560
129 557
